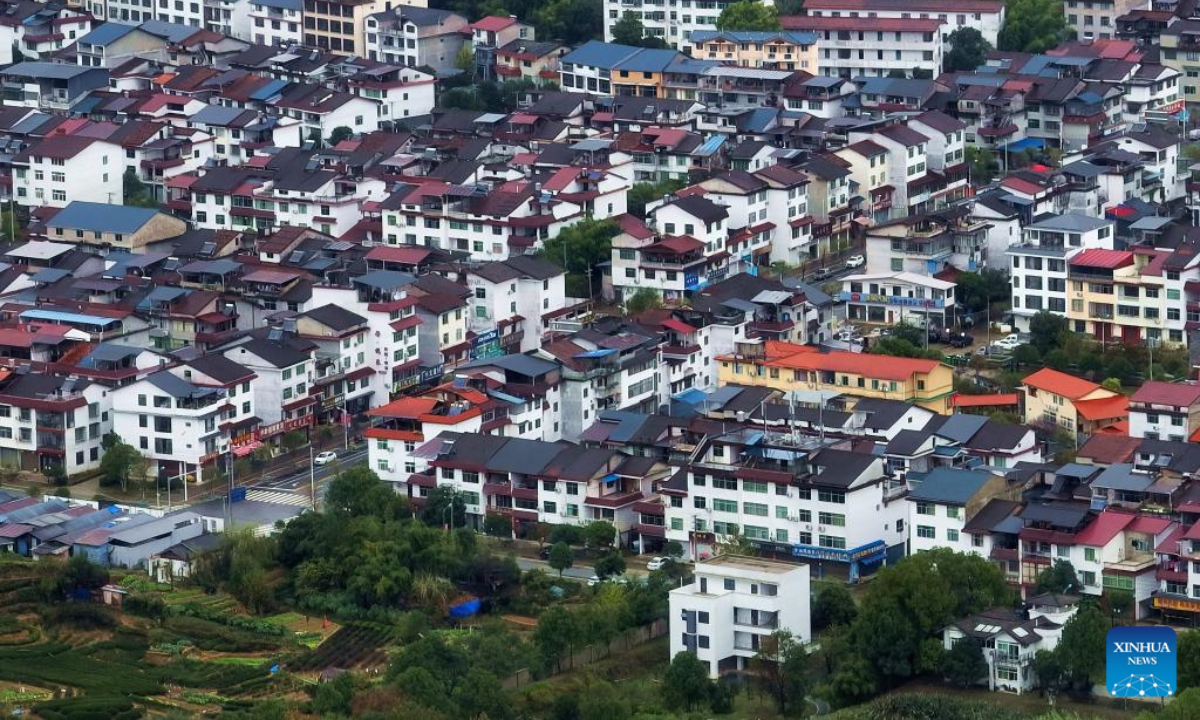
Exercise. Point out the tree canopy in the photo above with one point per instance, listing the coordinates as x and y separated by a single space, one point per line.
1045 329
629 30
121 462
1032 26
749 15
644 193
968 50
1058 578
579 249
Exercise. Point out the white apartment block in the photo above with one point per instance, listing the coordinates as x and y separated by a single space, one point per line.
733 604
59 171
986 16
174 423
672 20
47 420
1038 264
277 23
864 46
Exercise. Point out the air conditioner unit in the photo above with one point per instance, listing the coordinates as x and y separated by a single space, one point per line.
820 528
793 518
808 526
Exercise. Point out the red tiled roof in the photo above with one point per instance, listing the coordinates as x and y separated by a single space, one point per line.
986 400
1107 408
1109 449
407 408
802 357
941 6
1022 186
493 23
678 326
805 22
1104 528
403 255
1164 393
1101 258
1060 383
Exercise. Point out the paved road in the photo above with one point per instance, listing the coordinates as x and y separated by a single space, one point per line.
296 477
578 572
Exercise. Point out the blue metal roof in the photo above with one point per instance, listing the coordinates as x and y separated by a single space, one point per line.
268 91
799 37
599 54
281 4
648 60
710 145
68 317
99 217
107 33
603 352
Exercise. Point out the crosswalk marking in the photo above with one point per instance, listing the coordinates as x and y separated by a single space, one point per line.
279 497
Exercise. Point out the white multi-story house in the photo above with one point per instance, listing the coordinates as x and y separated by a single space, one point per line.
1009 642
283 388
393 341
908 164
986 16
1165 411
416 37
344 365
49 421
1038 264
672 20
733 605
845 510
214 370
942 502
515 296
851 47
174 423
275 22
61 170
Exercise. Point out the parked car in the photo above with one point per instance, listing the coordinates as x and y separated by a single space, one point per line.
657 563
594 580
544 553
1008 342
961 340
325 458
855 261
822 274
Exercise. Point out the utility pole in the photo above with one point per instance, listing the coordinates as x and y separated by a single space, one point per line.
312 473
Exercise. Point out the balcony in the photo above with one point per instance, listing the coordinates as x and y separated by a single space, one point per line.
758 619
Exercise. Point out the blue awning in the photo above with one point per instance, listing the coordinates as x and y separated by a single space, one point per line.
1026 144
603 352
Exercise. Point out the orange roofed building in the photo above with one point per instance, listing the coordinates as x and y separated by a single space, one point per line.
1070 404
789 367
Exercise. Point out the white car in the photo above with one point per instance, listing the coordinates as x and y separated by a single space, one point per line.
657 563
1008 342
593 581
855 261
325 458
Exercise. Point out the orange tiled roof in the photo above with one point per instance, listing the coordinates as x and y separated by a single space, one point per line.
1116 406
1060 383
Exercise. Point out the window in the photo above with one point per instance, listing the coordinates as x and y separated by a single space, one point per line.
754 487
832 496
826 518
926 531
756 509
1089 554
952 535
720 505
924 508
1118 582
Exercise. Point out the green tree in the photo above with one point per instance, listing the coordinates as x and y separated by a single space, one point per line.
580 249
600 534
573 22
963 663
1045 329
982 165
685 683
340 133
1032 26
1185 706
1120 603
899 347
497 525
1026 355
834 605
480 695
1188 659
629 30
359 492
610 564
465 60
968 50
642 300
569 534
644 193
673 549
749 15
854 681
561 557
78 575
604 701
136 193
1081 649
556 635
782 665
1058 578
445 507
1057 359
977 290
334 697
121 463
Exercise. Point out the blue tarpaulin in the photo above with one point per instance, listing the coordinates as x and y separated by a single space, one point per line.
1026 144
466 608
